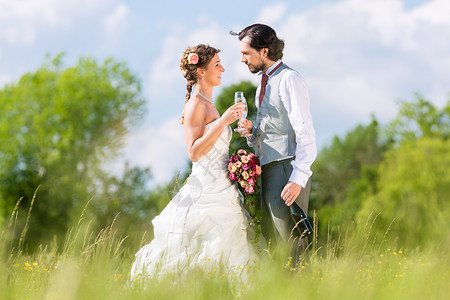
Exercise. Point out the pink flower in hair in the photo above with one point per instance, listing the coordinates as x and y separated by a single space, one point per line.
193 58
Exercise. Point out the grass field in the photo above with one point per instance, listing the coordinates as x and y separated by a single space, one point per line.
97 266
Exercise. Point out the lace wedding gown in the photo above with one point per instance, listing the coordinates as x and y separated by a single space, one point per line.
204 225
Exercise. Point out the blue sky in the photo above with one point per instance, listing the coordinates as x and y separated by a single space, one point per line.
358 56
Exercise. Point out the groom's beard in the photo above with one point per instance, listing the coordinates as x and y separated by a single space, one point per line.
257 68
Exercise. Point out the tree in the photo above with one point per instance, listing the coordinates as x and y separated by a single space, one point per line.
344 174
351 175
344 162
420 119
413 194
59 125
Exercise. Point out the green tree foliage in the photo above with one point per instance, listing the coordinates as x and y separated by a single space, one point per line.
413 193
420 119
344 172
57 127
394 171
226 99
127 194
414 184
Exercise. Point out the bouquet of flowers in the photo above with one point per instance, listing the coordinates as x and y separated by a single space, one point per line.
244 168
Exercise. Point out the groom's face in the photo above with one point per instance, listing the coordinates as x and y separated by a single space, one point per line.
254 59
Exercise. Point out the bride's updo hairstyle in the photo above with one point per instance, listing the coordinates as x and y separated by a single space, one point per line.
193 58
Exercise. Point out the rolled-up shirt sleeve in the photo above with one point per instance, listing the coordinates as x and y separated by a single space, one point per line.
294 94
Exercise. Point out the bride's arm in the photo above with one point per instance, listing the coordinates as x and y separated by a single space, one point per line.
197 142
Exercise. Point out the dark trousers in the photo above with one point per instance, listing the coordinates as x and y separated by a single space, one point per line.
277 224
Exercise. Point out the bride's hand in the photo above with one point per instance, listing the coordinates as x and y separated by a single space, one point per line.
233 113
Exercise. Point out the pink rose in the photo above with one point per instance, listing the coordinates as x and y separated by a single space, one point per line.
233 176
193 58
242 152
232 168
251 181
245 167
258 170
245 175
251 173
245 159
249 190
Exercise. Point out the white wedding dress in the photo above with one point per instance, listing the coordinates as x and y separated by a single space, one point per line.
203 226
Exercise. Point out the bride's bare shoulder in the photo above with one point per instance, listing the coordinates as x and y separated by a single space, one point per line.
195 111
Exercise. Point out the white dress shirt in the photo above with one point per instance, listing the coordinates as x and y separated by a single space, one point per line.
293 92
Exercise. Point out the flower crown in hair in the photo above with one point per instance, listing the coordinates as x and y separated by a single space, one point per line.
192 58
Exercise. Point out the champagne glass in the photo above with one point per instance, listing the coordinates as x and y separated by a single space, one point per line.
239 98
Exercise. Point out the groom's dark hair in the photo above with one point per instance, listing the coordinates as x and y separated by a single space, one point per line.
263 36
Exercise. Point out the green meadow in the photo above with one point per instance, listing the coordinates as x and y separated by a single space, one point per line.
96 265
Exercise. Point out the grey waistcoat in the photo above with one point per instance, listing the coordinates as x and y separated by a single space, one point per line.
274 137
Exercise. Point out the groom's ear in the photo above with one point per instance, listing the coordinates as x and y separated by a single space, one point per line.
264 52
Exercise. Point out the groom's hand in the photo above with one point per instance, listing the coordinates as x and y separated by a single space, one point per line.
290 192
247 124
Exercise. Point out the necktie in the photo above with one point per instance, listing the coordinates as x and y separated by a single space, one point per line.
264 79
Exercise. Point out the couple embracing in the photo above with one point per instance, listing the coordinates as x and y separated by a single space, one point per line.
205 224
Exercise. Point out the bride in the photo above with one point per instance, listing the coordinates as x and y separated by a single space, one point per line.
204 225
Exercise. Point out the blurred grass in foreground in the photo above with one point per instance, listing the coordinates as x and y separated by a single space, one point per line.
97 266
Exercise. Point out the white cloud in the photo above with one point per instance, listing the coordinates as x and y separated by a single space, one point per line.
116 22
4 79
271 14
360 57
435 12
165 74
162 148
166 82
21 22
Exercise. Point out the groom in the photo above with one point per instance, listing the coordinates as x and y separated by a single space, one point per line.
283 135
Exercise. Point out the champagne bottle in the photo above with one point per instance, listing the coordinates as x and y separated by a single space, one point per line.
301 221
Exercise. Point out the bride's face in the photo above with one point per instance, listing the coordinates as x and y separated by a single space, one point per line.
213 71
